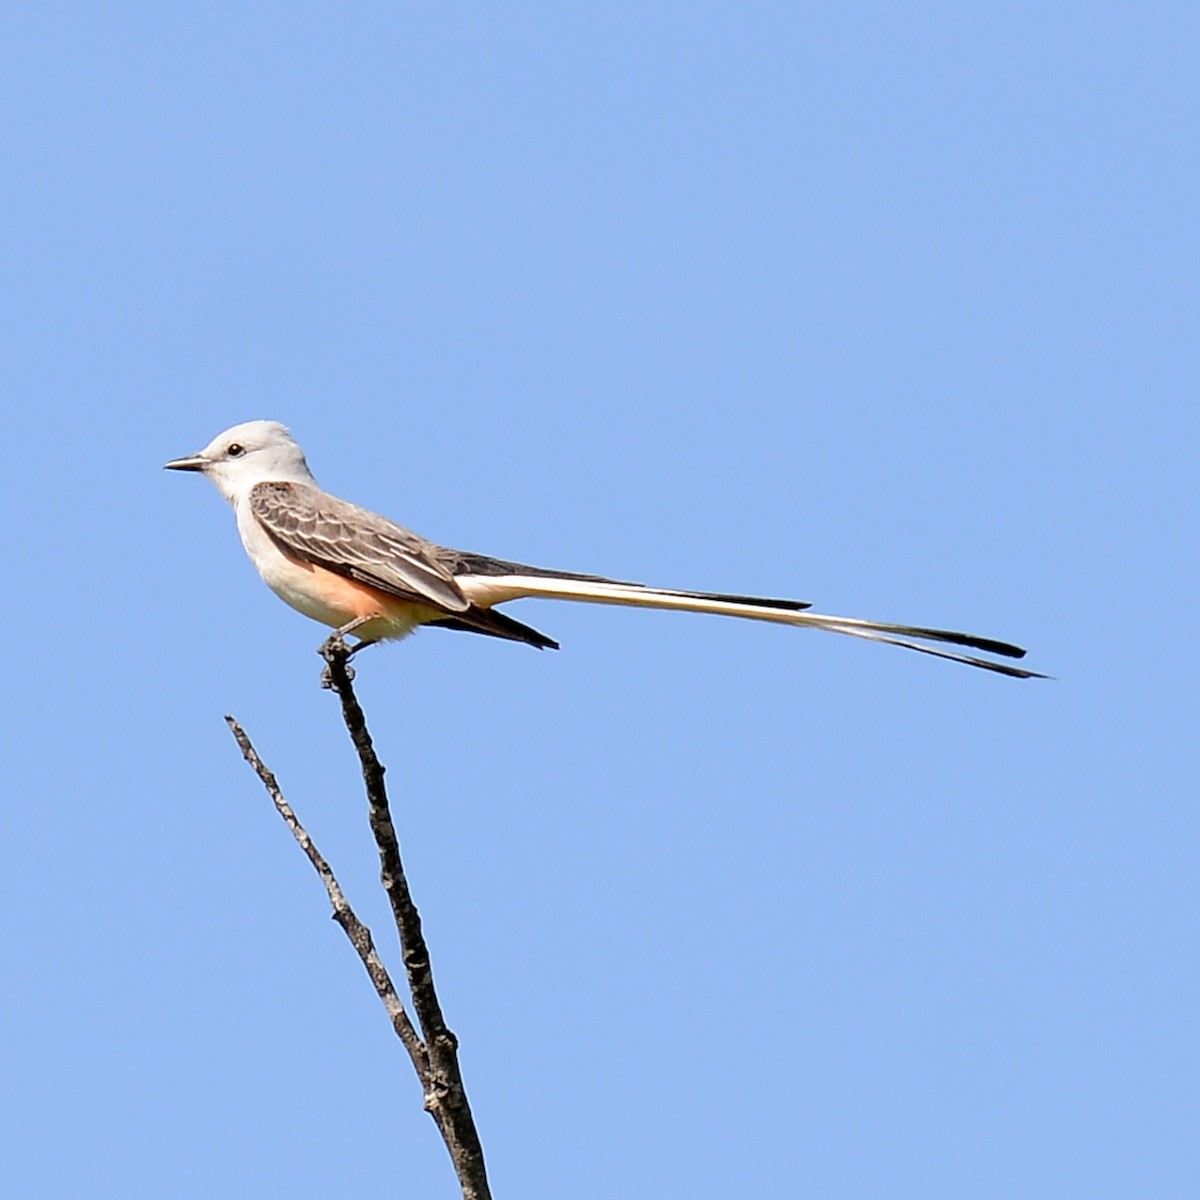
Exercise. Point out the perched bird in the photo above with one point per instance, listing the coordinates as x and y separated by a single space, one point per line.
360 573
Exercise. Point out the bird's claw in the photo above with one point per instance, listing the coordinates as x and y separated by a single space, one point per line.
334 649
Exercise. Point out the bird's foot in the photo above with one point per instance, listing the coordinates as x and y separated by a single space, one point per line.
335 652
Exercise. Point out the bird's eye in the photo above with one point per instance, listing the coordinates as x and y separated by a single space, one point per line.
235 450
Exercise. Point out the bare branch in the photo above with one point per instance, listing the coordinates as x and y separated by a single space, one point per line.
445 1095
354 929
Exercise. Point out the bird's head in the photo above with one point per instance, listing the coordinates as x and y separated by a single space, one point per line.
250 453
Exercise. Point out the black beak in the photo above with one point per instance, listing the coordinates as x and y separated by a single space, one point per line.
196 462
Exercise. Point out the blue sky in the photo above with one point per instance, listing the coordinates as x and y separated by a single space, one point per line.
887 307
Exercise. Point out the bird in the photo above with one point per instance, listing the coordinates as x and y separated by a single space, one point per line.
358 572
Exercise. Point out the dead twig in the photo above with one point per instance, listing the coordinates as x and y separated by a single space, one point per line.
434 1053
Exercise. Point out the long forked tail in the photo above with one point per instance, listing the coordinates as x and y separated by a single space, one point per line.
488 581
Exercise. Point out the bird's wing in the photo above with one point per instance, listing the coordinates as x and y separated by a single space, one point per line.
318 528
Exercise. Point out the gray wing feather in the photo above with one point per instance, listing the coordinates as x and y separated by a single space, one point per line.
316 527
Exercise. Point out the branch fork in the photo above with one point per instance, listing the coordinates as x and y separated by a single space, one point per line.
434 1050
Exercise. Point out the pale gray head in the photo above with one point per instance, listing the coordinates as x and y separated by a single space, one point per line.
250 453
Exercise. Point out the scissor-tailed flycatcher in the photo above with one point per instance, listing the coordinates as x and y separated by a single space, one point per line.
359 572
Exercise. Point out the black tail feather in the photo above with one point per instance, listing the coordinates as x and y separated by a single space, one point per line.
496 624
